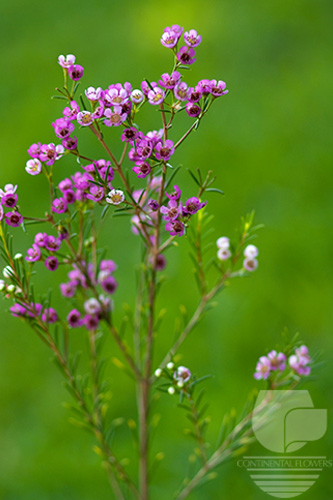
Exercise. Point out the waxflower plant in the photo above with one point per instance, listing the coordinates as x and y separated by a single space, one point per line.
160 214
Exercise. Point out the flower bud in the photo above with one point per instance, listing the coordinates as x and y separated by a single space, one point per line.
170 365
171 390
158 372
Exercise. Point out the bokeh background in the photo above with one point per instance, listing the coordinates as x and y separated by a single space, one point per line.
269 143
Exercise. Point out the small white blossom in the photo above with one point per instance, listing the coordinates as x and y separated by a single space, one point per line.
171 390
251 252
223 242
158 372
170 365
92 306
33 166
223 254
137 96
115 197
18 256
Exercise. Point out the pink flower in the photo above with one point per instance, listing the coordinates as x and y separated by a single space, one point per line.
93 94
33 166
156 96
50 153
51 263
218 88
75 72
278 360
164 151
84 118
34 253
175 228
13 219
263 368
186 55
191 38
142 169
181 91
66 61
114 118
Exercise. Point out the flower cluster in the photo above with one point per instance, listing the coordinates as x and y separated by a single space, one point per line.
47 315
180 377
8 199
83 277
250 253
43 249
277 362
176 214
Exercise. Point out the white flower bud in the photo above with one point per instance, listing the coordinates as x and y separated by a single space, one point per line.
18 256
7 272
251 252
223 242
158 372
171 390
11 288
170 365
2 285
180 384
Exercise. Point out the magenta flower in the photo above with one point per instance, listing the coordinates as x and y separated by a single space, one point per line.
142 169
59 205
85 118
155 136
108 265
205 86
169 38
153 205
169 81
13 219
51 243
181 91
191 38
278 360
175 228
156 96
263 368
65 184
175 195
63 128
71 112
193 109
91 322
192 206
186 55
107 282
34 150
75 72
129 134
70 143
34 253
34 310
164 152
218 88
40 239
17 310
9 200
94 94
49 153
115 117
299 362
66 61
194 94
171 212
33 166
96 193
68 289
51 263
50 315
74 318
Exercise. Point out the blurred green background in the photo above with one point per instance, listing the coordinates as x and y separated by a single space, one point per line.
269 143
